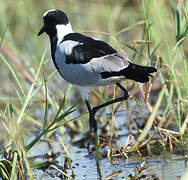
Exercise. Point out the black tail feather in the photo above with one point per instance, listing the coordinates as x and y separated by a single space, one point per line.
138 73
134 72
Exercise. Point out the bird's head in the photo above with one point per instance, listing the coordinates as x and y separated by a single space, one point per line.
56 23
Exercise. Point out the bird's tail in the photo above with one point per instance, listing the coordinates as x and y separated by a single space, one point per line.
138 73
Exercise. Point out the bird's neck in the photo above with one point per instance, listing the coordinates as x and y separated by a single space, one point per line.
56 39
53 41
62 31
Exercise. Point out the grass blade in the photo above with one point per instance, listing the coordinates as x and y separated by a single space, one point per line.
151 118
6 28
14 171
46 105
28 97
14 75
130 27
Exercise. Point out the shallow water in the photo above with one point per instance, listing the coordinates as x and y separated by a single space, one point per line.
168 166
164 166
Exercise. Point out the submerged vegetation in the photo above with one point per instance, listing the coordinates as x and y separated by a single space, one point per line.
38 105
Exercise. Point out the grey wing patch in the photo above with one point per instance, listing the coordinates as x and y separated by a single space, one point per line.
117 60
112 62
113 65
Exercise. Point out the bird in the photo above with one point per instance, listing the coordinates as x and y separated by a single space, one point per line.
88 62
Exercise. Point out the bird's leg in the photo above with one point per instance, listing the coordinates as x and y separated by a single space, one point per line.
122 98
92 111
92 120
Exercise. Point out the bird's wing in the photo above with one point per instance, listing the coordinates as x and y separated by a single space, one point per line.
110 63
85 48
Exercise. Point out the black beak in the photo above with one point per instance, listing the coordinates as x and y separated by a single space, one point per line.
41 31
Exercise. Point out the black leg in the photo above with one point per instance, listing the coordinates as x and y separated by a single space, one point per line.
92 120
122 98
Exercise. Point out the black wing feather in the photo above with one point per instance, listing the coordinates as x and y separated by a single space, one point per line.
87 49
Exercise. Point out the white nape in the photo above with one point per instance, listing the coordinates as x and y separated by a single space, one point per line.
63 30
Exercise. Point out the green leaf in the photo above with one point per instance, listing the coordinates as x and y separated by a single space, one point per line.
3 36
177 26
